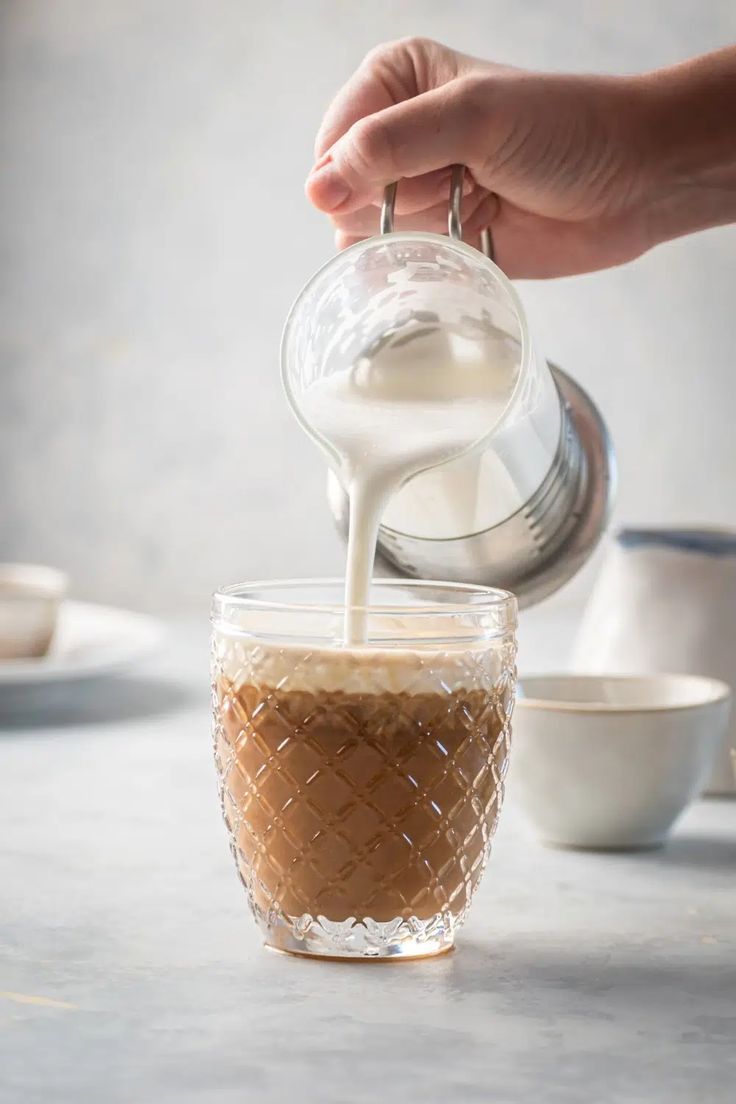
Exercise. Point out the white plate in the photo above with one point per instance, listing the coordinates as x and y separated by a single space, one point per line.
90 640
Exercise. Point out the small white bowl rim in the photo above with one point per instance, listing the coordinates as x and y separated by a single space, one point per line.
29 579
714 692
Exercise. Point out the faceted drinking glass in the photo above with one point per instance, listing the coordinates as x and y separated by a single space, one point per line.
361 786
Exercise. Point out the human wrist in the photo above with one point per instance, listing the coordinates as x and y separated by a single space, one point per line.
687 130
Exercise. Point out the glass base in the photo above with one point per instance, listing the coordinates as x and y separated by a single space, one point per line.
361 940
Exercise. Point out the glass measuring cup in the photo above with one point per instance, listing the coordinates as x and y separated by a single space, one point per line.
525 505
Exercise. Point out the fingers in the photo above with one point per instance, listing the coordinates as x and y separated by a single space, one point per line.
416 195
385 76
344 241
529 246
478 210
409 139
365 221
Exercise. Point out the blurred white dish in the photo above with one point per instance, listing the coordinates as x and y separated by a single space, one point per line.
604 762
30 596
90 640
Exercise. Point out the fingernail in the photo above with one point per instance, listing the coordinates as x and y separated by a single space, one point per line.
328 187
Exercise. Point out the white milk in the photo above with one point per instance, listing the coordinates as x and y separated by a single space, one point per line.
420 398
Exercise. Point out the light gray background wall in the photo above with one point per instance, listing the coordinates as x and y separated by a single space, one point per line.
153 234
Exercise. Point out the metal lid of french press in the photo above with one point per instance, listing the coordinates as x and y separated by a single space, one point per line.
534 551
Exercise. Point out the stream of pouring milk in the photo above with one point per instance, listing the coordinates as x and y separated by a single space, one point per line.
418 398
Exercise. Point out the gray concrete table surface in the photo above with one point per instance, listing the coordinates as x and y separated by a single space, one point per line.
131 971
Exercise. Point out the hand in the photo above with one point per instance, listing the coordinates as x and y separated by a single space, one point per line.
565 169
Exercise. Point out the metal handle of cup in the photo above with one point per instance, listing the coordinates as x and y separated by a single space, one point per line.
454 222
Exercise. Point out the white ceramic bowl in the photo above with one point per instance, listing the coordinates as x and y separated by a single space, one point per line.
30 597
611 762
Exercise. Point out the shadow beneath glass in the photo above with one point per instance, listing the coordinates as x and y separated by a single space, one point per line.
97 701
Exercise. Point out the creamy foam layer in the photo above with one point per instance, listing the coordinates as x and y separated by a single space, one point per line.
423 669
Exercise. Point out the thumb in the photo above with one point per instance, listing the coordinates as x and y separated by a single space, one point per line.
428 132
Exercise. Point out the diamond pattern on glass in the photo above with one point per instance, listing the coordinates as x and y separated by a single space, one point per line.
361 821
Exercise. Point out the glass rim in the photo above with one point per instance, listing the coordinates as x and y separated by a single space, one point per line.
480 599
382 239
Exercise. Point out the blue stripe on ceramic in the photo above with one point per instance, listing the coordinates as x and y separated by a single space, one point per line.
712 542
